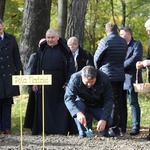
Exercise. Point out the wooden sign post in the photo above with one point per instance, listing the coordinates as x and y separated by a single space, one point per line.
32 80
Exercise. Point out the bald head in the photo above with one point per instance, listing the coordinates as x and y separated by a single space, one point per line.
73 43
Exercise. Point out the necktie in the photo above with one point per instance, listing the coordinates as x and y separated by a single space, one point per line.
0 39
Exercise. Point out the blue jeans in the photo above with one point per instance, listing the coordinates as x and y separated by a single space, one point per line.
96 112
135 108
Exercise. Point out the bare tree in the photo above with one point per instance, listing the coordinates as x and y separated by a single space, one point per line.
2 8
36 21
76 19
62 17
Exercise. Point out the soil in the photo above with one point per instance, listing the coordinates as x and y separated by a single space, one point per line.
58 142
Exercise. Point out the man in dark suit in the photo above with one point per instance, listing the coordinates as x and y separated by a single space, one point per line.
109 57
134 54
10 64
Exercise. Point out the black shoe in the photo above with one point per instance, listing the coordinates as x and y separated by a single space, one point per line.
105 133
112 133
148 137
134 132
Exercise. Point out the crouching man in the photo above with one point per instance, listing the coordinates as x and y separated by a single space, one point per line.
90 91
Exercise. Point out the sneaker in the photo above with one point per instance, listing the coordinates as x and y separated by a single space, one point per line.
148 137
134 132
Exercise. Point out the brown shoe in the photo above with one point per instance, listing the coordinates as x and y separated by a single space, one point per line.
7 132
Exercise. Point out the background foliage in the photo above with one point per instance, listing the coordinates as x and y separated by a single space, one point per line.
99 12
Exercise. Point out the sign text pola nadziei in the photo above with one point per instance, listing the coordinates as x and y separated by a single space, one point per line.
32 79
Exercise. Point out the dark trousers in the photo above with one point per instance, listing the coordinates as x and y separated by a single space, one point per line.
135 108
5 113
117 105
96 112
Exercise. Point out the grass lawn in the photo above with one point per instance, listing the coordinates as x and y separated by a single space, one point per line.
144 100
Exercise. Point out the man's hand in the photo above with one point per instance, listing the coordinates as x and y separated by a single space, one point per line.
146 63
35 88
139 65
81 118
101 125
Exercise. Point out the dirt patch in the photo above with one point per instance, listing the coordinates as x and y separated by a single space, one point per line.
58 142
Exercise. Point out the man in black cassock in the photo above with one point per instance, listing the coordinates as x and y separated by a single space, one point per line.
55 58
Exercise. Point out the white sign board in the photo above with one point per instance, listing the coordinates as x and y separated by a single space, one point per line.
32 79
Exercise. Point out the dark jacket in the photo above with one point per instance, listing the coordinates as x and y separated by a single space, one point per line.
110 55
100 95
68 59
84 58
10 64
134 54
148 55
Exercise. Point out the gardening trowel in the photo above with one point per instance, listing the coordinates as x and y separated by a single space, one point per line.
88 132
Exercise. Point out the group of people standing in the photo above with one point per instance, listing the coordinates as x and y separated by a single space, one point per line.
83 86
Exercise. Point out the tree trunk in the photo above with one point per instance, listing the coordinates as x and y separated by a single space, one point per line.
76 19
36 21
62 17
2 8
123 12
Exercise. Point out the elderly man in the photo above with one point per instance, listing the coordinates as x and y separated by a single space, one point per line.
81 56
55 58
90 91
109 57
146 62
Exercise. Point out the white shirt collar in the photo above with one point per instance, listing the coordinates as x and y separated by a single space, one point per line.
76 52
2 36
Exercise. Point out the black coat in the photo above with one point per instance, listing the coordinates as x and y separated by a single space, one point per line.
84 58
10 64
56 113
110 56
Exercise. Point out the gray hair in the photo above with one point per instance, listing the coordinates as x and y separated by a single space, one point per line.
89 72
147 23
111 26
73 40
51 30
